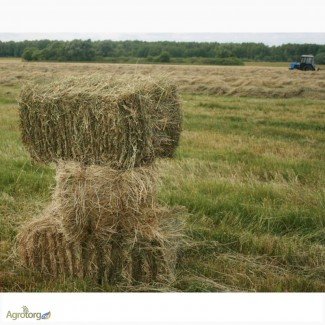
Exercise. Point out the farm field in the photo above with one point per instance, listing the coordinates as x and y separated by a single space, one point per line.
250 171
275 64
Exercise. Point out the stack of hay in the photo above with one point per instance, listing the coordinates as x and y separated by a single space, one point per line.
104 136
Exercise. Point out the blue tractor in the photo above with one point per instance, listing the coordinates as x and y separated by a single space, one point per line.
307 63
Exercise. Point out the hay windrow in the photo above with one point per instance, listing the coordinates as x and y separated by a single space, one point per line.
124 122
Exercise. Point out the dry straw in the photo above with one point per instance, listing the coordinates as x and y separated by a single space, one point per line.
126 122
117 259
104 221
99 199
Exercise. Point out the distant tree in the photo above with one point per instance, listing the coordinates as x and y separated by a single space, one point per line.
78 50
320 58
105 48
142 52
223 53
87 50
164 57
28 54
37 55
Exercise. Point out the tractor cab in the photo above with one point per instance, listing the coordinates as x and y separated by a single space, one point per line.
307 63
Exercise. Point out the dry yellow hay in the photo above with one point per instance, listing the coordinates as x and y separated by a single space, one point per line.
98 198
120 258
42 245
125 122
104 135
251 81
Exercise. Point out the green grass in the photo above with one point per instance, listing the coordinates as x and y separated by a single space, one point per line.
250 173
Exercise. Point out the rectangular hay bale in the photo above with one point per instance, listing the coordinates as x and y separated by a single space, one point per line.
122 122
121 258
94 199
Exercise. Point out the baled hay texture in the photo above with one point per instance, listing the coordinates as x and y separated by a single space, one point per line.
119 259
98 199
42 246
126 122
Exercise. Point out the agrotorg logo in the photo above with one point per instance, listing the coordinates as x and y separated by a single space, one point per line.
27 314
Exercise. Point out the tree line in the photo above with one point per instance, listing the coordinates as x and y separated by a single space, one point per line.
162 51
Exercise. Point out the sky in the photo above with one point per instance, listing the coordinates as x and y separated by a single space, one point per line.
183 18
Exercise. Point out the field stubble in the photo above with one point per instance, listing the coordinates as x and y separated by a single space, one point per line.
250 171
250 81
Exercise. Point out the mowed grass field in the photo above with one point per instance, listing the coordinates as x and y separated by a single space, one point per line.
250 171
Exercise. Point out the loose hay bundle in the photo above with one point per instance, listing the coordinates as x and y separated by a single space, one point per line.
97 199
120 258
123 122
